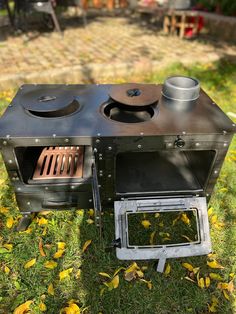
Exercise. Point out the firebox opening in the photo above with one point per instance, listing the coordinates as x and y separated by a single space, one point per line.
54 164
163 228
162 171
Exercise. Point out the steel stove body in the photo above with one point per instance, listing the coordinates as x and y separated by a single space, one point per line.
81 146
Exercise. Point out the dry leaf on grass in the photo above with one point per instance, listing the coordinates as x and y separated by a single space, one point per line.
104 275
213 306
91 212
167 270
215 276
188 266
65 273
23 308
185 219
30 263
148 283
86 245
113 284
10 222
42 221
58 254
42 307
226 295
90 221
207 282
73 308
7 270
61 245
146 223
51 289
214 264
8 246
50 264
41 251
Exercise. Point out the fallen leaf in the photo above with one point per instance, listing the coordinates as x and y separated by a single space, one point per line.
90 221
196 270
78 274
50 264
210 211
189 279
152 235
10 222
176 220
187 238
164 234
65 273
51 289
231 275
42 221
91 212
118 270
148 283
167 270
45 212
4 210
226 295
44 231
223 190
23 308
42 253
102 291
231 286
61 245
157 215
146 223
86 245
213 307
207 282
214 219
161 224
7 270
113 284
71 309
185 219
30 263
42 307
201 283
140 274
58 254
188 266
215 276
104 275
8 246
214 264
212 256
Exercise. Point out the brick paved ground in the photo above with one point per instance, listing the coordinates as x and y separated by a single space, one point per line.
107 47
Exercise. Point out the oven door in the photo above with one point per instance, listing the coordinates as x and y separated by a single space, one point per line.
161 228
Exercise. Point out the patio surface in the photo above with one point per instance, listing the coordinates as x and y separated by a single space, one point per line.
106 47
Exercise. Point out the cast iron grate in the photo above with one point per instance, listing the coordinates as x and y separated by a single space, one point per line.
60 163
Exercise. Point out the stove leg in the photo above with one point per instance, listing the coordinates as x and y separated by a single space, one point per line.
24 222
161 265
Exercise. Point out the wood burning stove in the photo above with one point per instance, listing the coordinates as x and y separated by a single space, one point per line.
140 148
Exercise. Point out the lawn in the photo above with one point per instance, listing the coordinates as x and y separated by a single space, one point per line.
179 290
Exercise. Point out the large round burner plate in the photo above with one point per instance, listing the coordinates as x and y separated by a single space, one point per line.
49 102
134 94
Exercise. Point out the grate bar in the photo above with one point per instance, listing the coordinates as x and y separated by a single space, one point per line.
60 163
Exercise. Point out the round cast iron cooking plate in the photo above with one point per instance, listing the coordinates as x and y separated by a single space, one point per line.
49 103
132 94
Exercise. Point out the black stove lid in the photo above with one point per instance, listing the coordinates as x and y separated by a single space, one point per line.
49 102
133 94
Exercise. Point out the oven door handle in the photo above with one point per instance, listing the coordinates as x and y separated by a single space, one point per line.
96 199
55 204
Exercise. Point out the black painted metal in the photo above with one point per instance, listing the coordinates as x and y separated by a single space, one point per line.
184 145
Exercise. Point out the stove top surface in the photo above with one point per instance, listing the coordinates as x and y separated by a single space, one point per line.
110 110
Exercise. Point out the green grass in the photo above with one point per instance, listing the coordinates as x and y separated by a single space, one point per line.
170 294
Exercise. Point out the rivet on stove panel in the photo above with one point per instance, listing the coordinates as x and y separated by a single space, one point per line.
224 132
8 136
4 142
10 161
66 140
72 187
97 140
109 148
90 200
46 188
225 144
54 135
109 176
99 186
109 199
139 146
36 140
100 155
141 133
100 174
233 124
183 132
169 144
98 134
18 189
197 144
28 203
95 150
215 171
100 158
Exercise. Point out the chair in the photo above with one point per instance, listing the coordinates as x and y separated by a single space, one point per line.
43 6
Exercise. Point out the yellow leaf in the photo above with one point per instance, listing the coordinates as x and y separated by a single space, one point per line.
23 308
30 263
215 276
42 307
50 264
86 245
61 245
91 212
196 270
7 270
201 283
223 190
90 221
164 234
42 221
226 295
157 215
152 235
210 211
185 219
212 256
8 246
187 266
118 270
146 223
187 238
28 231
58 254
45 212
231 275
51 289
231 286
207 282
71 309
78 274
102 291
214 264
213 307
222 285
113 284
167 270
4 210
104 275
148 283
144 268
176 220
65 273
161 224
10 222
189 279
44 231
80 212
214 219
42 253
140 273
132 267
